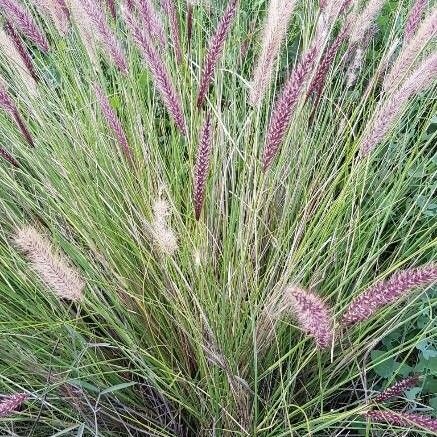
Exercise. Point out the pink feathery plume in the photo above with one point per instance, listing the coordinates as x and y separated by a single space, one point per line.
8 157
152 20
105 35
170 8
8 106
11 403
58 11
161 77
318 82
387 292
390 110
23 21
284 106
21 49
113 121
397 389
112 8
202 165
312 315
364 21
414 18
410 51
403 419
215 49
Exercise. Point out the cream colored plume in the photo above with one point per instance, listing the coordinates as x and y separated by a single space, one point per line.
52 268
275 30
163 236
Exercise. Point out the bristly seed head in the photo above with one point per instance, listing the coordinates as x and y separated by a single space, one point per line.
52 269
388 292
397 389
11 403
23 20
311 313
403 419
202 165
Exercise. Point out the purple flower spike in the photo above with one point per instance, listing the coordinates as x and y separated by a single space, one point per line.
284 106
105 35
318 82
161 77
10 403
403 419
215 49
8 157
23 21
387 292
202 165
113 121
8 106
312 315
414 18
21 49
152 21
397 389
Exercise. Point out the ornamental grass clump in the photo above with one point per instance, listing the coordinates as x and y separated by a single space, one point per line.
226 222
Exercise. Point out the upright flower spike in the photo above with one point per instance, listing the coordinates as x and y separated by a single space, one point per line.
389 111
170 8
113 121
161 77
312 315
9 107
318 82
23 21
414 18
397 389
406 420
275 30
151 20
52 269
202 165
285 105
387 292
364 21
410 51
58 12
11 403
105 36
215 49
